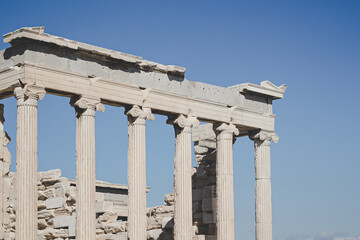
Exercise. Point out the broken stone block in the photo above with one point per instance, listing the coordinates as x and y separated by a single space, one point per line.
46 214
53 203
107 217
115 227
169 199
42 224
200 150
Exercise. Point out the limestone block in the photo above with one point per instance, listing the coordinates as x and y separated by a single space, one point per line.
208 217
209 237
121 199
106 237
49 175
9 236
46 214
48 193
61 190
99 197
108 217
167 222
169 199
122 211
209 204
64 182
209 192
121 236
153 223
102 207
64 211
202 132
164 209
198 216
7 219
99 231
209 143
41 205
42 224
50 233
53 203
66 222
197 194
154 234
115 227
199 237
200 150
197 207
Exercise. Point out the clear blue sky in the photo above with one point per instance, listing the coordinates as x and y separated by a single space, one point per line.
312 46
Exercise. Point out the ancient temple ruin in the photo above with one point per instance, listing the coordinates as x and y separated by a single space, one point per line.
45 205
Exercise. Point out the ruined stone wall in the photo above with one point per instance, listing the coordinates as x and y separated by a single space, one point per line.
56 210
204 181
57 199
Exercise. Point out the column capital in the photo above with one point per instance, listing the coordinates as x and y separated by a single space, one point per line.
86 105
30 91
182 122
264 135
225 128
139 115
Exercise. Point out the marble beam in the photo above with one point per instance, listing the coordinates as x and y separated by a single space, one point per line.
182 176
263 208
85 108
225 181
137 220
26 161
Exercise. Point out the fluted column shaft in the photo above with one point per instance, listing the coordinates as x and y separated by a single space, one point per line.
27 162
263 208
225 181
182 176
85 166
2 172
137 220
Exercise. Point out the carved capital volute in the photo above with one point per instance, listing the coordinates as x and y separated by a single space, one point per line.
264 136
86 105
34 92
183 123
225 130
137 115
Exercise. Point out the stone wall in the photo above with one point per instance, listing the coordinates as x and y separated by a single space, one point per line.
204 181
57 216
57 199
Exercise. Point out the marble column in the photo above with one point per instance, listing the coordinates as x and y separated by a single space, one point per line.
5 161
225 181
137 220
183 175
26 161
2 172
85 165
263 208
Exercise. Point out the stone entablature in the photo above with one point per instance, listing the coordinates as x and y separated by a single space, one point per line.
36 58
93 77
